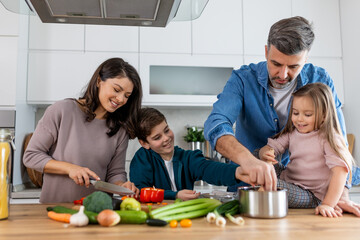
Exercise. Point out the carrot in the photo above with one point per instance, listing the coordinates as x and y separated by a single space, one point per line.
60 217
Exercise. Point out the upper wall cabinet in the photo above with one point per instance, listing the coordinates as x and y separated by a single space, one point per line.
259 15
111 38
219 28
185 80
326 25
49 36
62 74
175 38
9 22
8 64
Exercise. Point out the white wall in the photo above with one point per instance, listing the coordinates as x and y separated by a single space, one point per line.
350 25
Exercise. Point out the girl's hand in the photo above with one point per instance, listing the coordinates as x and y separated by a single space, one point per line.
267 154
187 194
81 175
327 211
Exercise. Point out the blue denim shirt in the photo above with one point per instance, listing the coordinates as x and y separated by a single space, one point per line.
246 99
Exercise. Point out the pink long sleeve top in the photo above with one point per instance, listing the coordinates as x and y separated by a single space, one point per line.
311 160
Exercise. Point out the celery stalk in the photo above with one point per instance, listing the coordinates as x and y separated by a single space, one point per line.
191 214
193 202
183 209
187 209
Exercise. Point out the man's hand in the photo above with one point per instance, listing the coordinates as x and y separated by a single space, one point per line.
347 205
253 170
259 173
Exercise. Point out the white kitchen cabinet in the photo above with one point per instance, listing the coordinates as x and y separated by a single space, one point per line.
326 25
8 68
9 22
53 76
183 60
175 38
51 36
111 38
258 16
219 31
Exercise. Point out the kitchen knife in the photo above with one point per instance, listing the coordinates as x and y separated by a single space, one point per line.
111 188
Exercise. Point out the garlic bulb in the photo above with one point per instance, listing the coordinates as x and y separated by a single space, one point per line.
79 219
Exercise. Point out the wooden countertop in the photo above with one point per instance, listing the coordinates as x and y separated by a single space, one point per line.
30 221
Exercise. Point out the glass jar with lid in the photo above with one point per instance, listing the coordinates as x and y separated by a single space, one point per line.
6 142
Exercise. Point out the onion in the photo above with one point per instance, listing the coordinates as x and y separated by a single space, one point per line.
108 218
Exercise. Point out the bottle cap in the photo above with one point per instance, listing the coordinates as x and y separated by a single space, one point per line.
6 134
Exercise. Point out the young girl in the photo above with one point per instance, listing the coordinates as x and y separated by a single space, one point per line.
319 158
84 138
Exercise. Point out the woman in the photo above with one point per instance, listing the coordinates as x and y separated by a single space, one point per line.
79 139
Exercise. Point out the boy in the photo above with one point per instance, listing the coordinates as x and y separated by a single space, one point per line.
158 163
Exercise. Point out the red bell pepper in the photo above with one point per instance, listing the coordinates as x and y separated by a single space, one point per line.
151 195
80 201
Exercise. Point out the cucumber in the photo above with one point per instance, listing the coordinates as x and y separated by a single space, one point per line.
132 217
60 209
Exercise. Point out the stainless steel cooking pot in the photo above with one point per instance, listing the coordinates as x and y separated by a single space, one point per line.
263 204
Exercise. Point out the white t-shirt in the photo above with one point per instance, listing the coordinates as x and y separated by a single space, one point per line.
170 168
281 101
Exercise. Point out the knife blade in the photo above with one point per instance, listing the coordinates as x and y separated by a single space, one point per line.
111 188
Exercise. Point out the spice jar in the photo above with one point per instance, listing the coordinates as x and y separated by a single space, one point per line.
6 138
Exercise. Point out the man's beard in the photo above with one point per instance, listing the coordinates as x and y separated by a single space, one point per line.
277 85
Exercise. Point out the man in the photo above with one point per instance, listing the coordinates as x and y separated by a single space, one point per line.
257 97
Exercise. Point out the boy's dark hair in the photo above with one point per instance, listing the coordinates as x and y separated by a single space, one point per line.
148 119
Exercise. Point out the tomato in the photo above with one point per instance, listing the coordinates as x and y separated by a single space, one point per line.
173 223
185 223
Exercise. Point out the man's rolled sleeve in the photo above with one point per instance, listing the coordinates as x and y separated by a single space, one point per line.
217 132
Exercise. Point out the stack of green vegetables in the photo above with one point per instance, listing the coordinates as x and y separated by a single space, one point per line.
187 209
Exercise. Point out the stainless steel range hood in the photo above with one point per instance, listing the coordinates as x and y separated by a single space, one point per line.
156 13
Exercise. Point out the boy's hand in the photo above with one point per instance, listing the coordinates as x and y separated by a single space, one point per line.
187 194
327 211
267 154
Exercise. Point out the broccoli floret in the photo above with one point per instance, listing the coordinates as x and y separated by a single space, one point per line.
97 201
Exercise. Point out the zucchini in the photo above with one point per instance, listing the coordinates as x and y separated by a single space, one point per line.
132 216
156 222
60 209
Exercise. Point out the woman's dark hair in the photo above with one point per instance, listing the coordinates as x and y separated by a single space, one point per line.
126 115
148 119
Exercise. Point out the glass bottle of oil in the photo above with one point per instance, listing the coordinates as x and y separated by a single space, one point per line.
6 138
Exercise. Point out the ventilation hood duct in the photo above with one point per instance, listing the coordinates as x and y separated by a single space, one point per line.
155 13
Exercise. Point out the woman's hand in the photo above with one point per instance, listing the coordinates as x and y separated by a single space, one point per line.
187 194
267 154
130 186
327 211
81 175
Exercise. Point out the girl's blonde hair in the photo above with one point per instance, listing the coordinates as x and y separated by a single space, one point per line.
326 120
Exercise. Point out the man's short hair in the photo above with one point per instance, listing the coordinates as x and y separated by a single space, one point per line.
291 35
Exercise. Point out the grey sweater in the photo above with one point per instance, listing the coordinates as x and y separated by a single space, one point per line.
63 134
